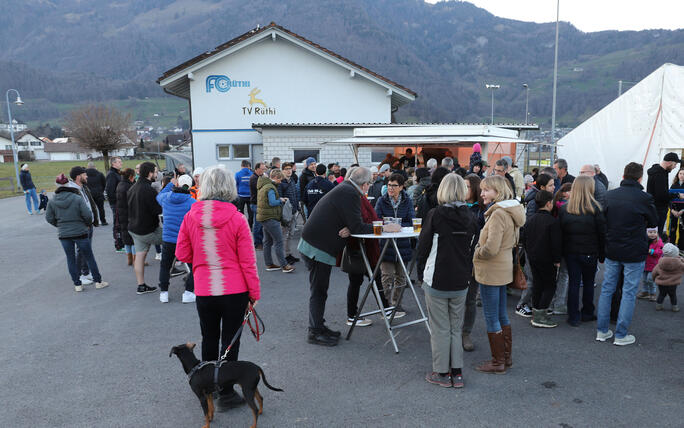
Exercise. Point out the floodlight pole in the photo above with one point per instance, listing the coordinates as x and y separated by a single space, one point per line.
11 129
555 81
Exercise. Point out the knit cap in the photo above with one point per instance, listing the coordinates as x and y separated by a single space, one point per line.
670 250
384 168
309 161
477 148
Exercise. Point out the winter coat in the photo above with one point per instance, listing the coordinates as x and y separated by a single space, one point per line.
653 257
493 258
265 211
175 204
26 180
658 187
404 210
629 211
419 188
530 203
445 247
111 183
427 201
668 271
121 197
143 209
306 177
603 179
339 208
216 239
375 189
289 189
600 192
371 246
242 180
253 192
69 213
96 182
677 206
315 190
476 157
583 234
518 181
542 238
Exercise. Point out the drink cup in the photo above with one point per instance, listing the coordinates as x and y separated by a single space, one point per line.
387 220
377 228
417 223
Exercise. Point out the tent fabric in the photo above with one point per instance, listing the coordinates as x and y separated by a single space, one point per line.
652 110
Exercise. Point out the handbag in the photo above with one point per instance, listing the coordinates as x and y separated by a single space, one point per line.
352 261
519 278
287 213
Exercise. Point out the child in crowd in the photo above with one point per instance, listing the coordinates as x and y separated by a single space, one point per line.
655 252
542 239
561 198
43 201
476 157
667 275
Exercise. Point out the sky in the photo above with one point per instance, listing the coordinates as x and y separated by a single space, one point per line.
592 15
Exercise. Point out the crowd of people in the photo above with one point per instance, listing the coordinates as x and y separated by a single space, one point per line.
477 221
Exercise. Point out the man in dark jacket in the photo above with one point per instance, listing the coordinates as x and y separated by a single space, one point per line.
317 188
337 216
143 221
29 189
308 175
600 176
657 185
112 180
288 189
97 184
561 167
257 231
599 189
380 180
629 211
242 180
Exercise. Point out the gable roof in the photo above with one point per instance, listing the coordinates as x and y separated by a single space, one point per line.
175 81
64 147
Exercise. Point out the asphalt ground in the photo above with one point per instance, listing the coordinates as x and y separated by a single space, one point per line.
100 358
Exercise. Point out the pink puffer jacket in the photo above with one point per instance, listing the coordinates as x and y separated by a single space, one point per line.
216 239
655 255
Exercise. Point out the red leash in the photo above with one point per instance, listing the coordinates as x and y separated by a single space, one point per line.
257 329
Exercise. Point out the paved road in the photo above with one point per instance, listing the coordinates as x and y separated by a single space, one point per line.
100 358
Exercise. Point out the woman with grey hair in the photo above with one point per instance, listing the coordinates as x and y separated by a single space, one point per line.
215 238
445 255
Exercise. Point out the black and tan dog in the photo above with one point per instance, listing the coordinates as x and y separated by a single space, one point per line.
205 379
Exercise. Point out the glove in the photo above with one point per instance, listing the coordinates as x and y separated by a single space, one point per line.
651 251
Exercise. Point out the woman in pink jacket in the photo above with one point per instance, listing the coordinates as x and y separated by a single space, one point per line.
216 239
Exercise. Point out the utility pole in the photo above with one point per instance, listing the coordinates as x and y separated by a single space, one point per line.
555 81
492 88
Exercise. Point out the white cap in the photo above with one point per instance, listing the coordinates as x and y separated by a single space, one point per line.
185 180
374 169
198 171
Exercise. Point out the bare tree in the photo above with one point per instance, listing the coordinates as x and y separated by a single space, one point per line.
99 128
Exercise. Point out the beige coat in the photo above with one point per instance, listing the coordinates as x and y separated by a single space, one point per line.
493 259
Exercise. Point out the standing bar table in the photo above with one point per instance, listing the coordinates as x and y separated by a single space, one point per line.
390 238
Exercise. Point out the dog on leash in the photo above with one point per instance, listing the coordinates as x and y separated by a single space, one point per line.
209 376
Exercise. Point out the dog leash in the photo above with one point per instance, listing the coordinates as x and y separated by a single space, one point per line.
257 329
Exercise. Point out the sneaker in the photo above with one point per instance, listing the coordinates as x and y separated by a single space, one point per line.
563 310
30 213
542 320
288 268
101 284
437 379
457 380
659 306
164 296
104 223
78 288
319 338
120 250
271 268
144 289
627 340
397 314
157 256
602 337
524 311
675 308
652 298
188 297
294 259
642 295
85 280
361 322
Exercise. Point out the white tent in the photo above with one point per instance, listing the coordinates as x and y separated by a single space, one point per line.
640 126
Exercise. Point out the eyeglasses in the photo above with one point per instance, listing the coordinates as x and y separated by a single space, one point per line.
394 185
499 170
287 169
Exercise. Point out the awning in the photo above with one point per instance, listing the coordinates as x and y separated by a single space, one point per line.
426 141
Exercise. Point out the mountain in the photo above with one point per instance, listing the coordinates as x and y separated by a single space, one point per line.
67 51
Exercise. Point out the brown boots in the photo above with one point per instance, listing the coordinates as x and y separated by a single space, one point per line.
497 363
508 345
130 259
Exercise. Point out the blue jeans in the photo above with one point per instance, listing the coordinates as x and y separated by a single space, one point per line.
581 269
84 248
494 307
257 229
81 261
273 237
632 272
648 284
31 194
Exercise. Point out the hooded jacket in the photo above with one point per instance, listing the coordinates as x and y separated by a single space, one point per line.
307 176
653 258
315 190
493 259
216 239
69 213
26 180
668 271
419 188
658 187
175 204
404 210
242 180
143 209
111 182
445 247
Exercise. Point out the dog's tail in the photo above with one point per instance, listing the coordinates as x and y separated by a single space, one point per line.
263 376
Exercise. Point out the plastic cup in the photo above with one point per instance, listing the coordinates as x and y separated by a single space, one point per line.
417 223
377 228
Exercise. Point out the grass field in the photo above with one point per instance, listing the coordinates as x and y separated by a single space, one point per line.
44 173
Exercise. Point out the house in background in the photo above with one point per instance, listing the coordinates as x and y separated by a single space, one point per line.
29 146
68 149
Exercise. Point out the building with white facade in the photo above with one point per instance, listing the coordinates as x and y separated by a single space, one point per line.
271 92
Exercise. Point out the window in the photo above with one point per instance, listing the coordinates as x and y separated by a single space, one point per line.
35 143
300 155
232 151
22 143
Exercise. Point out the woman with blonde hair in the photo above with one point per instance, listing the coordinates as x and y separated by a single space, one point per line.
584 233
493 263
444 254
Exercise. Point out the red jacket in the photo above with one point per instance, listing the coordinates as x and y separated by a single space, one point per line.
216 239
655 255
372 247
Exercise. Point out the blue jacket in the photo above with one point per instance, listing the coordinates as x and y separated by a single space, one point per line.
242 181
405 210
289 189
175 204
315 190
26 181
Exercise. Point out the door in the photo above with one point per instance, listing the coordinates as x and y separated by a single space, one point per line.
257 153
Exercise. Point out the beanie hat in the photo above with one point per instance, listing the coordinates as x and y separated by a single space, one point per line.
61 179
198 171
422 172
477 148
508 161
185 180
384 168
374 169
651 229
309 161
76 171
670 250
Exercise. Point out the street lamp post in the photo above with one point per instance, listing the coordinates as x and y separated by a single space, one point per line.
555 80
527 99
492 88
18 102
